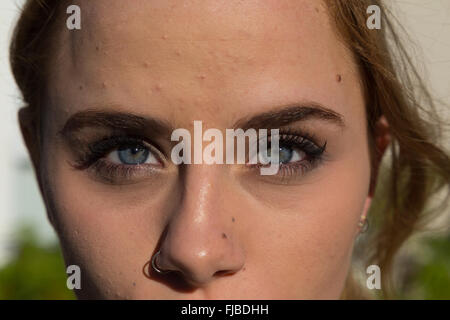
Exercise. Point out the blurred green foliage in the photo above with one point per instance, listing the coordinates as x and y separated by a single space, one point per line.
35 272
431 278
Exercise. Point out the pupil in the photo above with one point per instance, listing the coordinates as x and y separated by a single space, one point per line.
135 150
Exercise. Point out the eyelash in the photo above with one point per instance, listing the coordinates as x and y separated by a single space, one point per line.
100 149
303 141
94 158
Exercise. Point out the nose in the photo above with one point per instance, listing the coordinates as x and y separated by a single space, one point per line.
200 241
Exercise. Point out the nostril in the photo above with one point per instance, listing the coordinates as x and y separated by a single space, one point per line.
222 273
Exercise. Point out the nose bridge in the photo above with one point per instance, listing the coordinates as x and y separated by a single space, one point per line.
200 199
200 193
199 241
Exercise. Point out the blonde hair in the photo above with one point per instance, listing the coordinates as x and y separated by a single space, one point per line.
417 167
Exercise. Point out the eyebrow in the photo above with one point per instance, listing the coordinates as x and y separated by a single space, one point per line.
288 114
278 117
115 120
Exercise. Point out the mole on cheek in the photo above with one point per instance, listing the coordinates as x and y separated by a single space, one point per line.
224 235
232 219
338 78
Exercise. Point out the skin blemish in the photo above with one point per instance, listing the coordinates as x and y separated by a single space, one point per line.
224 236
164 37
201 77
146 64
232 219
81 87
134 284
338 78
104 85
158 87
177 53
97 48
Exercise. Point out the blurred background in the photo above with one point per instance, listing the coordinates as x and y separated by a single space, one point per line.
31 265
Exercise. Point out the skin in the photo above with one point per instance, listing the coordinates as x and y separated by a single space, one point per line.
219 62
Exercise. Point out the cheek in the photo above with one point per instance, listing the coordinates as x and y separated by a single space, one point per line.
310 228
92 220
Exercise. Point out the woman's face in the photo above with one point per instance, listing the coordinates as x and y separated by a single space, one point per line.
133 74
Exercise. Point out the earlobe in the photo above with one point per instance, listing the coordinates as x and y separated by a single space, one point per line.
363 223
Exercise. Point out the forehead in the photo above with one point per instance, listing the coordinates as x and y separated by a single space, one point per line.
201 55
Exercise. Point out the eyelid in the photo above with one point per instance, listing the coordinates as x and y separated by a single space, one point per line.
103 147
298 168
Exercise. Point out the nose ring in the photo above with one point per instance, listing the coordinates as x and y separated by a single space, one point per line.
155 267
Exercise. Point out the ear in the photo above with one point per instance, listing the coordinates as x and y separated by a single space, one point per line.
381 140
30 132
363 217
28 127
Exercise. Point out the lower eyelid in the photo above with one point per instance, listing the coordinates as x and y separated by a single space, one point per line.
109 172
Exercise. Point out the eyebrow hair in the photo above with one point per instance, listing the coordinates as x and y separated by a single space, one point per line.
115 120
118 120
289 114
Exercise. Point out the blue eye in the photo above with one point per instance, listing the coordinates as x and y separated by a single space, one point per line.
287 154
132 155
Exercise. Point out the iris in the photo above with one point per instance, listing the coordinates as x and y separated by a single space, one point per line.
133 155
285 154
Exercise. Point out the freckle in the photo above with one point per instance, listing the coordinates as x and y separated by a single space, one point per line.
224 235
146 64
232 219
81 87
134 284
202 77
338 78
317 9
97 48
